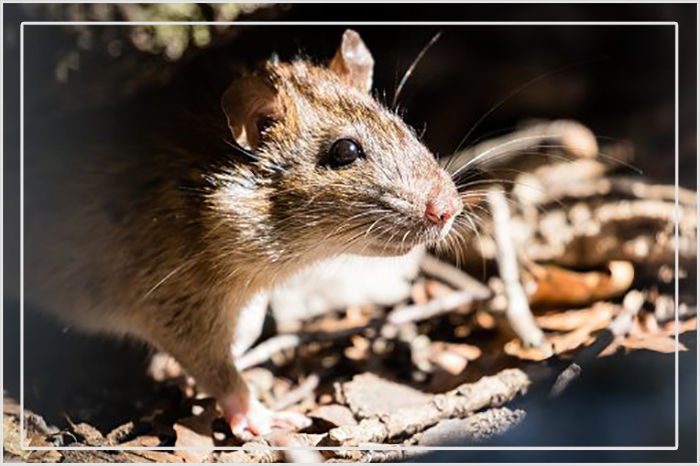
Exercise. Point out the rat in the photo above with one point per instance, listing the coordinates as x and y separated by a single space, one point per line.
168 245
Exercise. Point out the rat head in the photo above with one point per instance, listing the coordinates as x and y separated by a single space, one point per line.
351 175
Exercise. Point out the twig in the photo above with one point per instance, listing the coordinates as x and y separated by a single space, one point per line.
372 455
301 456
489 391
620 326
299 393
269 456
433 308
399 316
518 309
453 276
475 428
266 349
622 186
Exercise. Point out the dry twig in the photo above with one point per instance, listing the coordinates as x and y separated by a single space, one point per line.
620 326
489 391
518 309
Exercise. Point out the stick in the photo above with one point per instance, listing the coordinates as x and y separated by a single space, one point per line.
518 310
433 308
489 391
453 276
266 349
298 394
619 327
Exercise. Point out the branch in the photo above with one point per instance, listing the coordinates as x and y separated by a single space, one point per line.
518 310
489 391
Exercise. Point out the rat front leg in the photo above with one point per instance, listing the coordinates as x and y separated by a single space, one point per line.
201 343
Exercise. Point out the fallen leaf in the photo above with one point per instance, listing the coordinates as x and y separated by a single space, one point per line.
159 456
557 286
142 441
553 344
669 328
599 316
658 343
196 431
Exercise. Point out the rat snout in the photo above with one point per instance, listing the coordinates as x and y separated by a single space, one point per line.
442 208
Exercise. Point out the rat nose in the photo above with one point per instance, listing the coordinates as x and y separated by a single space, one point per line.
440 212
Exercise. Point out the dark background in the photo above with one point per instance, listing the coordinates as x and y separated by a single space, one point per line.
623 89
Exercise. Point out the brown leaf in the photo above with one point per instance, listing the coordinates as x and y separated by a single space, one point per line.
196 431
557 286
159 456
669 328
553 344
658 343
142 441
599 316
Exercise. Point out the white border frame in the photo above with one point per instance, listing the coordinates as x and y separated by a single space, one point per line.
338 23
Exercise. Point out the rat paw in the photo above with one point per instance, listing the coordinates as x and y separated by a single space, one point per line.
259 421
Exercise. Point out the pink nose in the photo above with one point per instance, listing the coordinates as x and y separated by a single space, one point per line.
440 212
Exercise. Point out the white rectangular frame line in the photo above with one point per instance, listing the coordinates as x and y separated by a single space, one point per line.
338 23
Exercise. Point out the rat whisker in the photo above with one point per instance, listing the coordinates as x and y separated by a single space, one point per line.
493 149
517 91
411 68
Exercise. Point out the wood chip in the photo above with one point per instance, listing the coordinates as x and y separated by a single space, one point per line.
335 414
369 395
475 428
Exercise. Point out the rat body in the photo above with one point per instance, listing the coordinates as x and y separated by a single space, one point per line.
168 244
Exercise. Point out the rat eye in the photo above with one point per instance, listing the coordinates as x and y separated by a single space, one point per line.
344 152
264 123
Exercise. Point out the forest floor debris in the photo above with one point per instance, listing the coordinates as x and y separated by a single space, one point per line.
592 262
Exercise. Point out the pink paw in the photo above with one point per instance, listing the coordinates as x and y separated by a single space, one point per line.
257 420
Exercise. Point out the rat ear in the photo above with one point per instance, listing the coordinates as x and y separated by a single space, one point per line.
250 104
353 61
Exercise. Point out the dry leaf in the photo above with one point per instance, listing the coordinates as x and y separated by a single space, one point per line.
553 344
658 343
669 328
599 316
556 286
142 441
160 456
196 431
